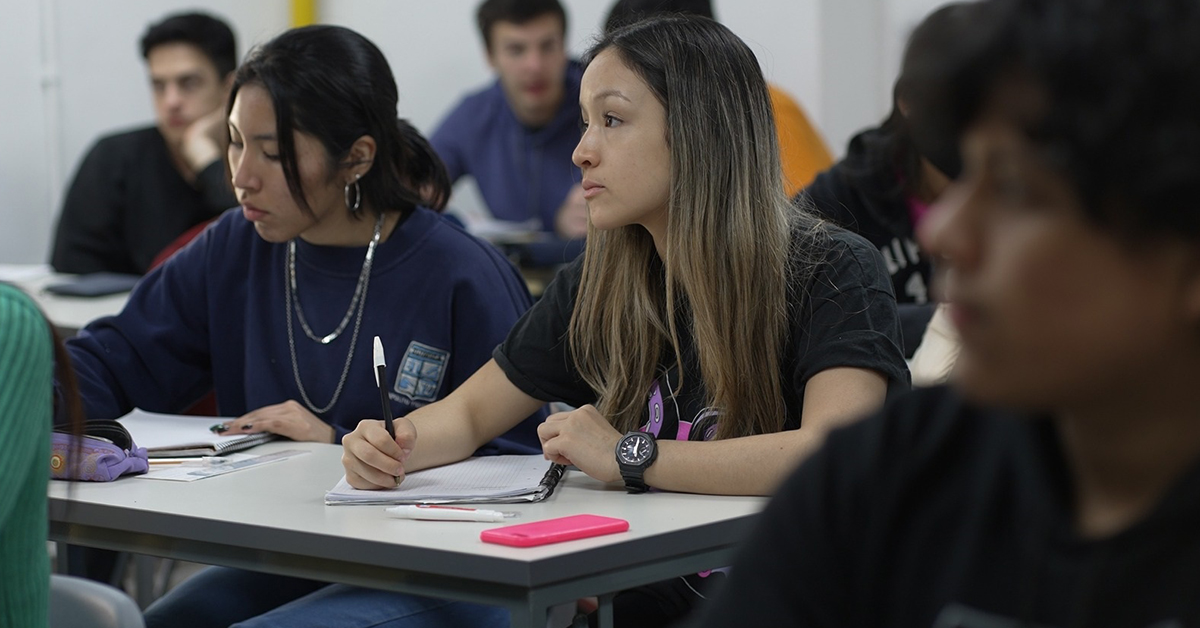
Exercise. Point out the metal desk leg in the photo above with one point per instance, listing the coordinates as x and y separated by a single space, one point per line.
60 557
604 613
143 572
525 614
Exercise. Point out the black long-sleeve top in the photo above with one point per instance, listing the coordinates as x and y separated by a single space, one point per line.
128 201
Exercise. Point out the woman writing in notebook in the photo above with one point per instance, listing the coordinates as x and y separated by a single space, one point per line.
274 307
708 321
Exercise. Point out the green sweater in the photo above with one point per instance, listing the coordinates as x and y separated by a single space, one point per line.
26 406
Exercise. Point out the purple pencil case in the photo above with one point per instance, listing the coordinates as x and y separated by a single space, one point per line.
105 453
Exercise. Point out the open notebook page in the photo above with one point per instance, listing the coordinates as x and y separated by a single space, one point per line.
179 435
485 479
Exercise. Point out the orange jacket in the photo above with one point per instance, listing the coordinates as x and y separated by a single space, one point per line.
801 149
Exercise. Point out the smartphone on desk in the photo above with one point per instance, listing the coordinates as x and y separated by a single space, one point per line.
554 530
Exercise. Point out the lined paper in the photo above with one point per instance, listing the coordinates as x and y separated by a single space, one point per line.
482 479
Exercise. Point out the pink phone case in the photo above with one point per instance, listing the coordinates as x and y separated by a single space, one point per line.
554 530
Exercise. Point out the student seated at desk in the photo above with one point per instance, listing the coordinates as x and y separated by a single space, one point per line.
1058 484
891 174
515 136
274 306
136 192
709 325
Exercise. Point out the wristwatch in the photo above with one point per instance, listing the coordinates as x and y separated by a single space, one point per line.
636 451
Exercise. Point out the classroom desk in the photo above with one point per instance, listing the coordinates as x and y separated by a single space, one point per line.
273 518
69 314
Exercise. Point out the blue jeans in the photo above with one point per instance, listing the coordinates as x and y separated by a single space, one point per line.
219 597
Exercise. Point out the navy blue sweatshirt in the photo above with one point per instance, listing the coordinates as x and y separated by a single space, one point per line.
213 318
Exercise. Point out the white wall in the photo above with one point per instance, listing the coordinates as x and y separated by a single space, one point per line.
24 151
73 72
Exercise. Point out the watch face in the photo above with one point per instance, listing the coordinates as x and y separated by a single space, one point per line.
635 449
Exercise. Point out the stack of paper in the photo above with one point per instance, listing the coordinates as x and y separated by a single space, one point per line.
488 479
192 469
171 435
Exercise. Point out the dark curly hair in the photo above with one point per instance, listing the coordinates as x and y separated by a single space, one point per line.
890 166
211 35
629 11
516 11
1121 85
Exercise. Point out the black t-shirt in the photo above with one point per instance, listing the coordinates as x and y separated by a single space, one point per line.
844 317
127 202
940 513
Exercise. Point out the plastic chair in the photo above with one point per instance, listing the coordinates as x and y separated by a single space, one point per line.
80 603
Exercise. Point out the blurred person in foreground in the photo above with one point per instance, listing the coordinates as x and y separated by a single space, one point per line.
1058 484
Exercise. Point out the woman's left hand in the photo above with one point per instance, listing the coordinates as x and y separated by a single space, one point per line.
289 419
584 438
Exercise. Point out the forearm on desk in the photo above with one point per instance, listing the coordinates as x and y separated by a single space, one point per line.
484 407
752 465
756 465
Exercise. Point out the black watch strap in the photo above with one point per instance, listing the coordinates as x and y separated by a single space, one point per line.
633 473
635 479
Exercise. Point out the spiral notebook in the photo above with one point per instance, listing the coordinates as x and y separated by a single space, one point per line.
173 435
483 480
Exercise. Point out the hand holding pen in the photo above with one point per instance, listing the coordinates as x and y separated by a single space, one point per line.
371 459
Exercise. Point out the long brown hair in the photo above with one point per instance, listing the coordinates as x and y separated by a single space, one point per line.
730 230
67 389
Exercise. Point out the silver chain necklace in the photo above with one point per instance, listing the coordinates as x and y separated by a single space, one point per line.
292 302
359 290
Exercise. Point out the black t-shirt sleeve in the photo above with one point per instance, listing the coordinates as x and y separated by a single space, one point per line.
535 356
797 565
820 553
847 317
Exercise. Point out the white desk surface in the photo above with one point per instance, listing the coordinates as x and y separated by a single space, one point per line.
67 313
273 518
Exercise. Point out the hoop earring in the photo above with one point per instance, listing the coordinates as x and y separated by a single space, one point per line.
357 195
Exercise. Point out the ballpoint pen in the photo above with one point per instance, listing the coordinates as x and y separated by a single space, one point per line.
381 381
204 461
431 512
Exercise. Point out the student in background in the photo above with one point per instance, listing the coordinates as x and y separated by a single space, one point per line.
708 319
274 307
30 358
515 136
892 173
802 152
136 191
1059 483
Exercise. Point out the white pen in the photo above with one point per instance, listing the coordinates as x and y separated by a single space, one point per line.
205 461
431 512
